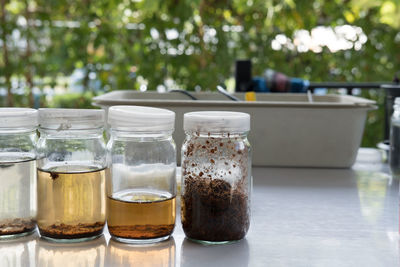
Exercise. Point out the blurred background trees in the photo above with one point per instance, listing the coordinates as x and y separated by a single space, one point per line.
62 52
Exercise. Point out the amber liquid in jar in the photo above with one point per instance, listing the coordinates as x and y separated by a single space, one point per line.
141 215
71 202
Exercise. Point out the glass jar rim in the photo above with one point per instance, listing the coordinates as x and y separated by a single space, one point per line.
18 118
71 119
216 121
141 119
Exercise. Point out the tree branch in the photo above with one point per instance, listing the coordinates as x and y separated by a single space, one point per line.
7 67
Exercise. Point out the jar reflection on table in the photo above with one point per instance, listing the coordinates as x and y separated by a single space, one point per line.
71 174
155 254
85 254
233 254
17 171
19 252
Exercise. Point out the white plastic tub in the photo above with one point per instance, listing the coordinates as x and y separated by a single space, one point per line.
286 129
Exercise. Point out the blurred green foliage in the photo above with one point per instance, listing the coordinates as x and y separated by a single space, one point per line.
187 44
72 100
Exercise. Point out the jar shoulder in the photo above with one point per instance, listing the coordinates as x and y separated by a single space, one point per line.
214 145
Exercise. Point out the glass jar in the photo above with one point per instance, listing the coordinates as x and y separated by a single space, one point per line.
394 153
141 191
71 174
17 171
216 176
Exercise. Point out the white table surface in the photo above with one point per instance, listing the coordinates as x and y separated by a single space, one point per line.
300 217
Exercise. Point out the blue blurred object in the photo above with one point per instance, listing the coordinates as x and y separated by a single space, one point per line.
298 85
260 85
274 81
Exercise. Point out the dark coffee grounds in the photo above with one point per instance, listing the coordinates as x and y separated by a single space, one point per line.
141 231
16 226
213 211
65 231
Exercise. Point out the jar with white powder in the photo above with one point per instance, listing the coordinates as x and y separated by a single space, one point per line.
142 187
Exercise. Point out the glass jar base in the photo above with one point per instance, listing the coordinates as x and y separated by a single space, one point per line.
140 241
72 240
205 242
14 236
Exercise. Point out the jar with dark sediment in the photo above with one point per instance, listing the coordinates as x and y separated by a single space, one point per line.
216 176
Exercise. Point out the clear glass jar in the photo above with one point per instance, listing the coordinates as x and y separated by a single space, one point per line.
216 176
141 191
17 171
72 163
394 153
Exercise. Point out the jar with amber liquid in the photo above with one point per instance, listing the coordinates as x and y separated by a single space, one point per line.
141 190
71 170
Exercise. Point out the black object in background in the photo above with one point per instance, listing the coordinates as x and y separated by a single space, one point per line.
243 76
